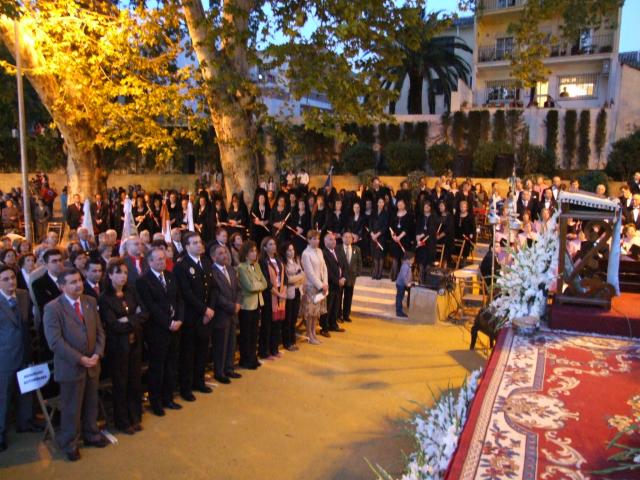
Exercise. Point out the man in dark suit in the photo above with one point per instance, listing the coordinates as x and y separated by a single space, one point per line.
85 241
46 289
100 214
526 203
176 239
195 279
93 277
226 305
626 199
634 183
74 213
75 335
353 259
15 353
337 270
158 291
633 214
133 259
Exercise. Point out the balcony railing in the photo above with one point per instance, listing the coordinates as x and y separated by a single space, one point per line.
586 46
490 5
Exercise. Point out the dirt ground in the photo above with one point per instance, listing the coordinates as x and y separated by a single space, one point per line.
318 413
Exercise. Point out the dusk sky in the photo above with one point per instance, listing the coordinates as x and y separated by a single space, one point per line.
629 36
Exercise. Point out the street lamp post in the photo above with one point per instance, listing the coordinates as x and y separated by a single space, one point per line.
26 202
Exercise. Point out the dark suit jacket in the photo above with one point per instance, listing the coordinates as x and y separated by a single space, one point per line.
629 218
163 305
226 298
45 290
100 213
88 290
15 343
355 266
532 206
196 286
70 338
335 268
132 271
112 308
74 215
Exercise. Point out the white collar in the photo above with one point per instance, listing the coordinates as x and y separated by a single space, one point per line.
72 301
157 274
196 260
55 279
7 297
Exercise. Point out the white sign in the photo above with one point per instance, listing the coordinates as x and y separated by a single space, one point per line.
33 377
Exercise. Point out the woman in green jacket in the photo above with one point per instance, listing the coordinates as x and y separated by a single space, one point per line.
252 283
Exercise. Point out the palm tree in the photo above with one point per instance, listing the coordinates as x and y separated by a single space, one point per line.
434 60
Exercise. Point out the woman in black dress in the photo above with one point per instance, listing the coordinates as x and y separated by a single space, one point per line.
356 224
278 218
123 318
219 214
140 217
319 216
446 229
379 231
300 221
202 219
401 232
426 232
465 231
237 216
336 221
260 217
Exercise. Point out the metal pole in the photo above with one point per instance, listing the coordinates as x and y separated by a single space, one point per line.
26 201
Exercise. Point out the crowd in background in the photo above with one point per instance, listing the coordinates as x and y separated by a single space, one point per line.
194 280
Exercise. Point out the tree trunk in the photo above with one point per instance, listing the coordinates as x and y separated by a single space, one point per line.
414 100
84 174
230 112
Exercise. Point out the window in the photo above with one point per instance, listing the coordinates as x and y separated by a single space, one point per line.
506 3
542 92
504 46
500 91
577 87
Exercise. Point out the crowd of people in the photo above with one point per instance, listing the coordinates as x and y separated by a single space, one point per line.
222 279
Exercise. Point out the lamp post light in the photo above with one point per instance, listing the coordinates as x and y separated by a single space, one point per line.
26 201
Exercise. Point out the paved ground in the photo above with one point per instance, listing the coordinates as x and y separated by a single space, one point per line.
314 414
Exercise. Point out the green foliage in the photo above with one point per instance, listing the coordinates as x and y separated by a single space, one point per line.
404 156
414 179
49 154
388 133
475 119
430 58
584 149
535 159
485 125
590 179
570 126
445 120
551 140
624 159
499 127
440 157
366 134
485 156
601 133
358 157
514 126
459 130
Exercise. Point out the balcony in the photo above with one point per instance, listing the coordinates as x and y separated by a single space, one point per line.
493 5
587 45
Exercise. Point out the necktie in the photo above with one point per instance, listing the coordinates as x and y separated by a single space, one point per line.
162 281
226 274
138 266
349 254
76 306
13 303
96 288
199 264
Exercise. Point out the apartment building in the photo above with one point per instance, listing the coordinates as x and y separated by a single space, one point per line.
583 70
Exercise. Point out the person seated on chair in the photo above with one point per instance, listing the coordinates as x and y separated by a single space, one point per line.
630 243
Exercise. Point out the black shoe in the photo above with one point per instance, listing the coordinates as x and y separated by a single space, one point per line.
203 389
348 320
233 374
221 379
73 456
137 427
172 405
188 397
337 329
3 445
402 315
325 333
158 411
99 443
127 430
31 428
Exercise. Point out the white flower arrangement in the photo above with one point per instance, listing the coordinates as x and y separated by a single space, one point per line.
524 285
437 433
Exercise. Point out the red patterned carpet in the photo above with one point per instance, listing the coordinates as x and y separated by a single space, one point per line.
547 407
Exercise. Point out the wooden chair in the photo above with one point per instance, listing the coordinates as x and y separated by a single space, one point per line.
57 227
